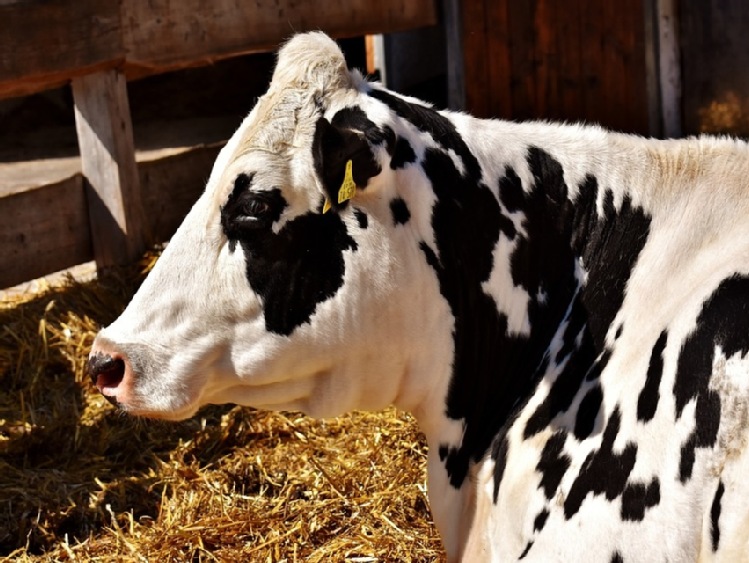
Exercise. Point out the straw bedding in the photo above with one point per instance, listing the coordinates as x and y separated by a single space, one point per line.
80 481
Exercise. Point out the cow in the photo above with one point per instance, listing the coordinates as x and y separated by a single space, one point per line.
564 309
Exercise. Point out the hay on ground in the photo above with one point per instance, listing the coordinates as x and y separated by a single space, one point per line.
80 481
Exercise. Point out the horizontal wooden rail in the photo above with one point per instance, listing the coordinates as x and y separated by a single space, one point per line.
45 43
46 229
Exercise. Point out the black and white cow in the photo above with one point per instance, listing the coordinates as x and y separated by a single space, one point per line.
564 309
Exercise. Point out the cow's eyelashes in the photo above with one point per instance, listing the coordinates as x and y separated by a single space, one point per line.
253 212
256 208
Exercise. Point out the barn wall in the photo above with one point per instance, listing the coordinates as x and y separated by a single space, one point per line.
566 60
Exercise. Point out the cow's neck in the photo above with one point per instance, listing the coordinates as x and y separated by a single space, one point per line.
540 302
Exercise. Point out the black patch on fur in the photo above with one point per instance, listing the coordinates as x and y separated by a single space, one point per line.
507 227
588 412
466 222
599 365
540 520
355 119
361 218
715 515
553 464
443 453
494 373
617 558
528 547
637 498
499 455
438 126
332 147
609 247
647 403
292 270
723 321
567 384
400 211
511 192
705 433
619 332
403 154
466 217
603 472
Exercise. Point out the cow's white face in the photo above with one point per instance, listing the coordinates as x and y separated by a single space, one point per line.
263 299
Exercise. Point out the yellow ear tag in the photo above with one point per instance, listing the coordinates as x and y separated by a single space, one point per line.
348 187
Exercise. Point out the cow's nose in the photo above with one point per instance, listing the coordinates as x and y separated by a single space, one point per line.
107 372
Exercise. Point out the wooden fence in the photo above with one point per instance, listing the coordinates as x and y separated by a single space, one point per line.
97 45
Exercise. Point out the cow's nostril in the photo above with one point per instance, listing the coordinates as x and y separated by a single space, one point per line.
106 371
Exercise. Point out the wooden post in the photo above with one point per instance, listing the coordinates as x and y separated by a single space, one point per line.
105 138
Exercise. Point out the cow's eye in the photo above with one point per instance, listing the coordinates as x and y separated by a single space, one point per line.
249 211
256 208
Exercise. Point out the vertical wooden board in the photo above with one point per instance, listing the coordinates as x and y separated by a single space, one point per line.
47 231
474 55
592 46
569 104
105 139
613 64
163 32
547 59
624 71
498 58
524 59
44 42
715 86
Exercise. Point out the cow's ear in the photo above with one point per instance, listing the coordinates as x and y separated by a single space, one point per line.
332 149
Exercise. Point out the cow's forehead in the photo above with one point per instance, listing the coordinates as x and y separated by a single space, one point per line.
275 142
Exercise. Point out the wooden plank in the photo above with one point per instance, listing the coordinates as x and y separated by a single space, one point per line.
43 43
566 18
625 74
166 34
45 230
524 59
474 58
592 45
105 138
499 58
546 91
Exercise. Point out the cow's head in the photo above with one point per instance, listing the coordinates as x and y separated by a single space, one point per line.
264 297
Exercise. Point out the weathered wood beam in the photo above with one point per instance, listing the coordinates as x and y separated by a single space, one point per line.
44 230
45 43
163 33
105 138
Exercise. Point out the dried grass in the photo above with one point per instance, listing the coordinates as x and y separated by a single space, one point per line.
82 482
